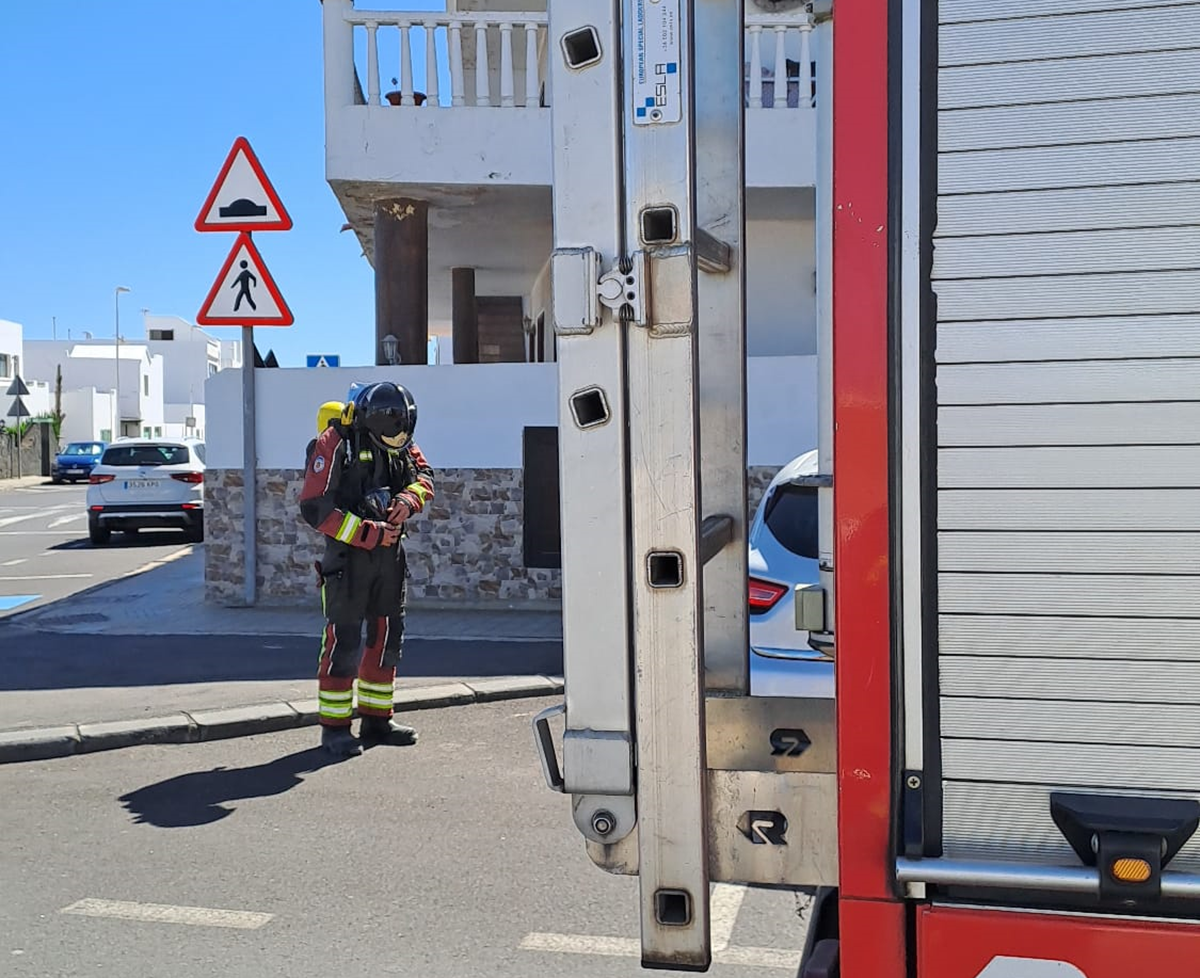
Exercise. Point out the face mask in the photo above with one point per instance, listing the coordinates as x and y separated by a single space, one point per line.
396 441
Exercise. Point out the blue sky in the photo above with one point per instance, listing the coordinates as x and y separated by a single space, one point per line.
115 118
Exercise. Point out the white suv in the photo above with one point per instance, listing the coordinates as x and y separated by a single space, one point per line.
783 553
147 482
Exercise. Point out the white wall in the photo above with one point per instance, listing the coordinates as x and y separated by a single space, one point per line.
781 303
472 415
11 346
88 415
175 418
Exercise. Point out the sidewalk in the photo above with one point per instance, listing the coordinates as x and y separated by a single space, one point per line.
121 686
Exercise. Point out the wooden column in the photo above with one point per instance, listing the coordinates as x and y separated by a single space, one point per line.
402 278
464 316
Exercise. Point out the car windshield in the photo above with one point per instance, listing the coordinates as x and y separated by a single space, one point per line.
82 448
146 455
791 517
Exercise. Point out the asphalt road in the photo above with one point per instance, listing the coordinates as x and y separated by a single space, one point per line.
45 554
257 858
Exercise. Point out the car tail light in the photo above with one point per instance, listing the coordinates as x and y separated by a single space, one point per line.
97 509
96 480
193 477
764 594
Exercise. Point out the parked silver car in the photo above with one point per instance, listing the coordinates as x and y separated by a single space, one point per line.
783 553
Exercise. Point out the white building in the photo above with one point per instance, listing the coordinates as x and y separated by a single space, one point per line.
12 365
137 374
190 356
470 168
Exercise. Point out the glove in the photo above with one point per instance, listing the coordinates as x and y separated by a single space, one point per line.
398 512
376 534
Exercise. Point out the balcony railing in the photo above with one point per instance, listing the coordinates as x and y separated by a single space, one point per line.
786 40
442 36
461 51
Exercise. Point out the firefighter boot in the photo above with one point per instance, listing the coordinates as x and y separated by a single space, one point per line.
340 742
381 730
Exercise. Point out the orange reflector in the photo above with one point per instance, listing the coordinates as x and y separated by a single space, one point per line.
1130 870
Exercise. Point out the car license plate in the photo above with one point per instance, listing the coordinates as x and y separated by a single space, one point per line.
74 471
140 484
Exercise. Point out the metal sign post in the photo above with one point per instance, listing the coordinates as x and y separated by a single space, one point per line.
244 294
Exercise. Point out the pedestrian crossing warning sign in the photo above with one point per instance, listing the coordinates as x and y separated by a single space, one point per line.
242 198
244 293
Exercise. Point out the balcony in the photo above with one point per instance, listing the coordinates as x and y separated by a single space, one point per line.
453 108
457 102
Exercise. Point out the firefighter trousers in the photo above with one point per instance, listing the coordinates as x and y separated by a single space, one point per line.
360 586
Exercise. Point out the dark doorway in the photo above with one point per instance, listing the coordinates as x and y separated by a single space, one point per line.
501 334
542 546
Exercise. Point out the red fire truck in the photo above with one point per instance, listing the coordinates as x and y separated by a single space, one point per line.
1008 212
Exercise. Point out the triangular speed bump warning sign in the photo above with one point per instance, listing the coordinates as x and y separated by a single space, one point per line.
17 388
244 293
242 199
18 409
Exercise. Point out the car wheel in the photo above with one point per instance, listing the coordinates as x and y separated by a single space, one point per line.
57 482
99 535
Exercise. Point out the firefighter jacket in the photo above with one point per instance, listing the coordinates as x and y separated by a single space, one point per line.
344 468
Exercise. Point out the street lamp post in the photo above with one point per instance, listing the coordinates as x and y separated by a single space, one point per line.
116 429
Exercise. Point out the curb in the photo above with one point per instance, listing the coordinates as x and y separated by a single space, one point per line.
43 743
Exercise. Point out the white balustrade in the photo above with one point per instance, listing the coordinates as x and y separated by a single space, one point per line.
773 41
444 56
792 34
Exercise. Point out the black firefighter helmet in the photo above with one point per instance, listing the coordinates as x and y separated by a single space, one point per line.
387 412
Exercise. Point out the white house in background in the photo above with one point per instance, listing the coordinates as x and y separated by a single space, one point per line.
190 356
137 375
12 365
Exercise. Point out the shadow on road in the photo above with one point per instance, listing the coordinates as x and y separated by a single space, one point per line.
202 797
46 660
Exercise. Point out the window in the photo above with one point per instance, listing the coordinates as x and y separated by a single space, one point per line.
5 365
157 432
106 434
146 386
792 517
198 451
146 432
162 334
82 448
146 455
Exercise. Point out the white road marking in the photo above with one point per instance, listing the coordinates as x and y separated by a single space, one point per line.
624 947
164 914
48 577
13 563
37 533
63 520
724 904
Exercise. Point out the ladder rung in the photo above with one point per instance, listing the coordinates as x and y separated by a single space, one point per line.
712 254
715 533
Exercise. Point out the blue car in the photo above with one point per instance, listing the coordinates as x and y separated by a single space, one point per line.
75 461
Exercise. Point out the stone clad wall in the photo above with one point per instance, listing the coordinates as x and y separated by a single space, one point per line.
465 549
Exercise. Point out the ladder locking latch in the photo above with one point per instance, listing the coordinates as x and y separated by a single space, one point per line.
623 289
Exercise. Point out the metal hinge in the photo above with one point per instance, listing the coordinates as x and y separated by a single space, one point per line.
580 289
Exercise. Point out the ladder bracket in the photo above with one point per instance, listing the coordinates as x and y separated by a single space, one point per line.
623 289
580 290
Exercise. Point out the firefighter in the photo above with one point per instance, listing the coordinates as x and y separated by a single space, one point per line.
364 479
